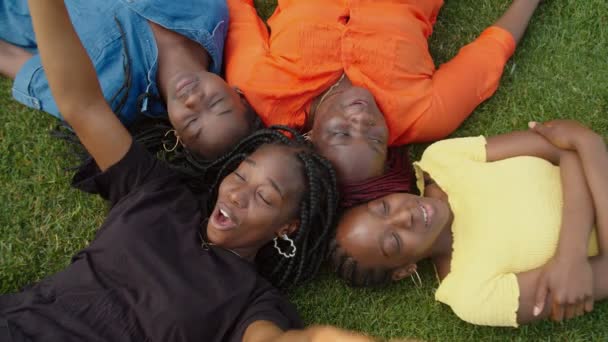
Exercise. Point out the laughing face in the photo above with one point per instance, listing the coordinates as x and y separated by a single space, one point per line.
258 201
392 231
209 116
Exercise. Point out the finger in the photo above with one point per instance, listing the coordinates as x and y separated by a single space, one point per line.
580 308
557 311
589 304
570 311
541 297
533 125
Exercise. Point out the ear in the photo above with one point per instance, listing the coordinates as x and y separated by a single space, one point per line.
403 272
288 228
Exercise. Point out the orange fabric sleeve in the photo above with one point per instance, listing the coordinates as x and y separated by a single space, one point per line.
461 84
247 40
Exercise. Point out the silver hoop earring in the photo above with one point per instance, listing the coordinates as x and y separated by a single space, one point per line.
176 141
293 246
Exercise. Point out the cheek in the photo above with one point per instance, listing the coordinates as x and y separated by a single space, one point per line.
260 228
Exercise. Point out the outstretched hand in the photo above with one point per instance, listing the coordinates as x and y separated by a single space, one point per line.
569 283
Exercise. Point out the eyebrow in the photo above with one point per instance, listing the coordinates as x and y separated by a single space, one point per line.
273 183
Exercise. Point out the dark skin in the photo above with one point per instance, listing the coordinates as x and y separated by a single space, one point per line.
358 150
258 201
208 115
348 129
82 103
565 287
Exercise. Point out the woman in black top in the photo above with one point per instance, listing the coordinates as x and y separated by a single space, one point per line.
169 264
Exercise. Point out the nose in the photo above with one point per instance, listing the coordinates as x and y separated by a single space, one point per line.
403 218
362 120
238 197
192 101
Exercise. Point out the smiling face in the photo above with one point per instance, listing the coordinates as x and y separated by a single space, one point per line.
351 132
208 115
392 231
258 201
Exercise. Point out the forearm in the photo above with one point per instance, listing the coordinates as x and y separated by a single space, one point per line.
578 213
517 17
70 73
594 157
265 331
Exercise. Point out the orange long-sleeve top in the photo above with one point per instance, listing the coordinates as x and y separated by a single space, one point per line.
380 45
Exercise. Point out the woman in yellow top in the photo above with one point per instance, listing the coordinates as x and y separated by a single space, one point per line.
507 221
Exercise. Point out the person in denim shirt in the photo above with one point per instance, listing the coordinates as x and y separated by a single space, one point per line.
151 58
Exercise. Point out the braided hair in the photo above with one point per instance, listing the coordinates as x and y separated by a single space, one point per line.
317 209
347 268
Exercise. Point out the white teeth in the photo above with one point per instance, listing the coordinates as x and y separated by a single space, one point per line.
224 213
425 215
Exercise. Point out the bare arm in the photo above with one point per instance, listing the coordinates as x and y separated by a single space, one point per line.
567 279
517 17
74 84
12 59
264 331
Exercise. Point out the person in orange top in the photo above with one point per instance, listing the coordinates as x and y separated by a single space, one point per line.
358 74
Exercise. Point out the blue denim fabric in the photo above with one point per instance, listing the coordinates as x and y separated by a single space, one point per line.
121 45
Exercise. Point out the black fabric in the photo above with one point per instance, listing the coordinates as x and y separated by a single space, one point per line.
145 276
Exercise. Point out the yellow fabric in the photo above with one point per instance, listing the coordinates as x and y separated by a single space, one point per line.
507 217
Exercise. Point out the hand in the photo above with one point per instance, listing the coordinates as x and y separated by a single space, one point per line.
331 334
564 134
569 282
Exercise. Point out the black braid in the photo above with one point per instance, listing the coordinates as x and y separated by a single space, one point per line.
317 211
347 268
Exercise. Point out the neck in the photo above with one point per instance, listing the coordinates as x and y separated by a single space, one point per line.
176 54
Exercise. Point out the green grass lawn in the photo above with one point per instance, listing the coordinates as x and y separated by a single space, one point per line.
559 71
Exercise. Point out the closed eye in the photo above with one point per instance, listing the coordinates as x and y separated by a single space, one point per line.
385 208
397 241
215 102
263 199
238 175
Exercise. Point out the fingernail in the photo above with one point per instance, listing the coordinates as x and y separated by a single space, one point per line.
537 310
531 124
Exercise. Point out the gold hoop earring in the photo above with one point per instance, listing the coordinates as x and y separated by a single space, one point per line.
307 136
177 141
419 283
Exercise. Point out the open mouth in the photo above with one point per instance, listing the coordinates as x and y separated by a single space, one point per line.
359 102
222 218
186 86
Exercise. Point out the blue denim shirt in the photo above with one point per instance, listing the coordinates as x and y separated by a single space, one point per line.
121 45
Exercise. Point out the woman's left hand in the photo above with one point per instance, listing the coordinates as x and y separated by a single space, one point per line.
569 282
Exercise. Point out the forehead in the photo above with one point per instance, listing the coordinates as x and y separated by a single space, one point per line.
353 162
359 233
278 163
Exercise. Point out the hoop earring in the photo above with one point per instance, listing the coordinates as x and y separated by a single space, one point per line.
177 141
419 283
307 136
293 246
